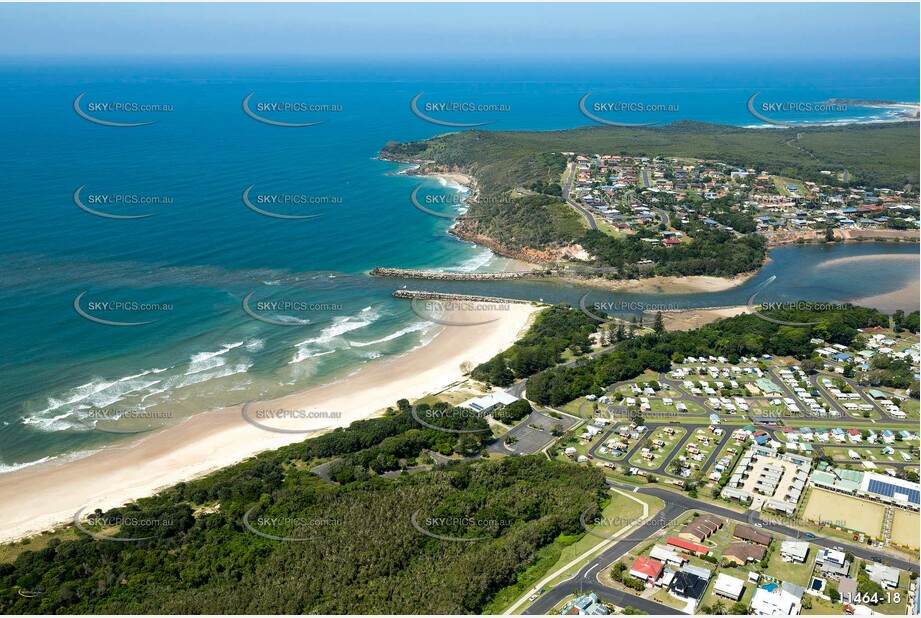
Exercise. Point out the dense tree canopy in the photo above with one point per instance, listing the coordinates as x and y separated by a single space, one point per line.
744 335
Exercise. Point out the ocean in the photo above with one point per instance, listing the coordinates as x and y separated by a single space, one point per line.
188 267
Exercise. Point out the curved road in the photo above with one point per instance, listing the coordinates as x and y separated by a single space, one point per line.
567 187
676 504
861 551
586 578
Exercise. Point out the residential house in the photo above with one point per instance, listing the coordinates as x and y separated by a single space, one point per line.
701 528
885 576
832 562
728 586
687 546
747 533
774 602
688 586
667 556
646 570
585 605
743 553
794 551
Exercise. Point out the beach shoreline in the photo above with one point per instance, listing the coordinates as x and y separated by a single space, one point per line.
32 500
689 319
669 285
905 299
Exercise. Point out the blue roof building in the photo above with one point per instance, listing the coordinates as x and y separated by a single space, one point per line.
585 605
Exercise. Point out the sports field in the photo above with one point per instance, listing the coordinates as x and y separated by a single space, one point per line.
845 511
906 528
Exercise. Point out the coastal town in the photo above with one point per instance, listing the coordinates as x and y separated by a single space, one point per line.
658 197
784 487
460 309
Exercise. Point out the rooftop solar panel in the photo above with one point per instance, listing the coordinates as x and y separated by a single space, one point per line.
890 490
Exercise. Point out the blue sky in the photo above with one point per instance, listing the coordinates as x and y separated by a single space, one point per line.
731 33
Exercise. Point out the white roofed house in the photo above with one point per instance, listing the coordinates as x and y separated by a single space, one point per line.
885 576
794 551
778 602
728 586
667 556
832 562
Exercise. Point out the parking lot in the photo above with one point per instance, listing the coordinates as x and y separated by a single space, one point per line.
527 438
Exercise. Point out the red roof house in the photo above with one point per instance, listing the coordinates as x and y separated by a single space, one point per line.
646 569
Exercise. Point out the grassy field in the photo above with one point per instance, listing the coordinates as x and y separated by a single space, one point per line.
702 432
853 513
874 455
911 407
10 551
617 514
607 228
663 597
799 574
566 550
781 184
823 607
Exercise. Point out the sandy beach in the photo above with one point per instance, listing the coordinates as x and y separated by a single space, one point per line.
457 177
905 299
39 498
671 285
854 259
695 318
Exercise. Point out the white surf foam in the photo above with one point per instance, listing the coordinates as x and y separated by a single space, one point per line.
412 328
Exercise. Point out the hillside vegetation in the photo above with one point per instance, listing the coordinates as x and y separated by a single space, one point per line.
354 549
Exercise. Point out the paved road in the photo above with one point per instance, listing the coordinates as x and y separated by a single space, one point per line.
863 393
662 215
723 440
566 189
586 578
663 467
815 381
529 440
673 498
675 505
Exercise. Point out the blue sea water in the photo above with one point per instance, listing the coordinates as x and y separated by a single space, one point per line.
203 252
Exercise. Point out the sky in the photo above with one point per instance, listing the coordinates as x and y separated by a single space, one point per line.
730 33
